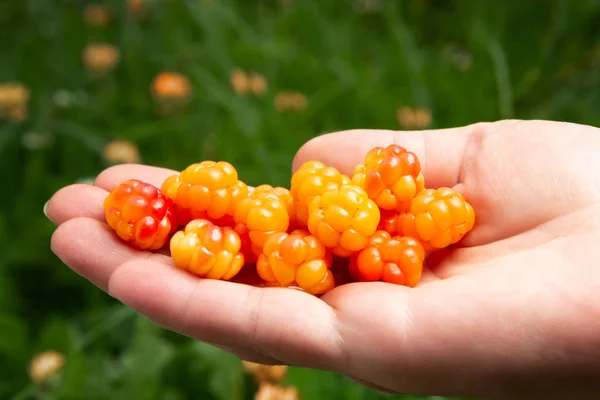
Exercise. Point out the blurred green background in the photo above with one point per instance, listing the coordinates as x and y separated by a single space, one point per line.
352 64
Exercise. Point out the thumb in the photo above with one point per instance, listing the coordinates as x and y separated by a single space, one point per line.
439 151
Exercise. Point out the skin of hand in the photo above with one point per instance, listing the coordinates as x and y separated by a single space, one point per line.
514 312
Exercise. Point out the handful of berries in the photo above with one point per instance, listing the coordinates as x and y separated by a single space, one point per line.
382 221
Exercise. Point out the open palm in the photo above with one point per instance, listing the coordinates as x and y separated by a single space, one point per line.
511 313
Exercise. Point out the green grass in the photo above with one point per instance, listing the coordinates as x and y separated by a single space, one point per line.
527 60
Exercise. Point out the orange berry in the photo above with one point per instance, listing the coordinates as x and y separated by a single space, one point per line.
437 217
287 198
296 259
209 190
207 250
311 180
261 214
397 260
388 222
343 218
140 214
391 176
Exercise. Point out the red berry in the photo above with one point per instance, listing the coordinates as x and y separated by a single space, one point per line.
140 214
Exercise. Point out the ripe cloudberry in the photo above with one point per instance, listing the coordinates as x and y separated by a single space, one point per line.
437 217
207 250
343 219
206 190
388 222
397 260
140 214
287 198
391 176
311 180
261 214
296 259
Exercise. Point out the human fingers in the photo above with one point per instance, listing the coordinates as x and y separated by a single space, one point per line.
111 177
92 249
440 152
278 325
75 201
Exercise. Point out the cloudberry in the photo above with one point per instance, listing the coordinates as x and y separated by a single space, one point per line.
140 214
262 214
343 219
296 259
206 190
287 198
311 180
391 176
437 217
207 250
388 222
397 260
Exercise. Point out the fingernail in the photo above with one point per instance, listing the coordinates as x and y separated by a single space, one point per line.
46 211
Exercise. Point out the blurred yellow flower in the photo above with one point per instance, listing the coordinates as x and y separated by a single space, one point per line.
413 118
14 99
291 101
171 85
120 151
13 95
240 82
258 84
45 365
243 82
422 117
405 116
268 391
97 15
100 58
265 373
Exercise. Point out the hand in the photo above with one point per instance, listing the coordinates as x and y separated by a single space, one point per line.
513 313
